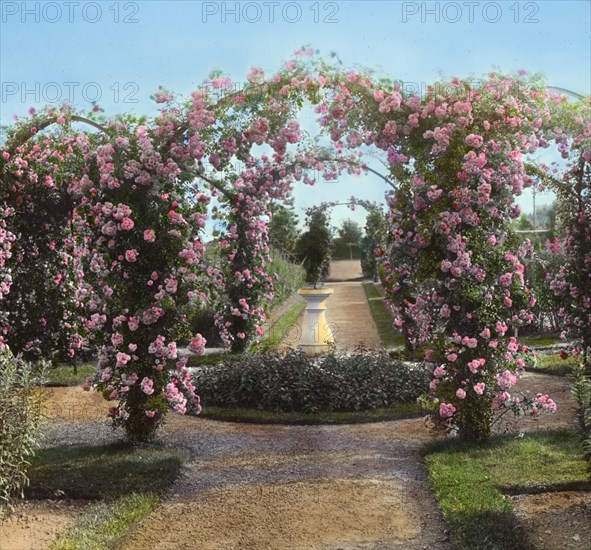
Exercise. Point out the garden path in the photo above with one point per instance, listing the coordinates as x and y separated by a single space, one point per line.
348 312
272 487
269 487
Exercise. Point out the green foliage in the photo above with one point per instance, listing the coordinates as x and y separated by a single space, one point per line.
539 272
201 320
382 275
375 236
522 223
581 392
289 277
280 330
20 418
64 375
283 228
294 382
313 247
574 209
553 363
468 480
539 340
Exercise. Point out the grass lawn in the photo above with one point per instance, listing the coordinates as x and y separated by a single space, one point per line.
471 482
202 360
104 523
280 329
552 363
389 336
126 482
539 340
63 375
396 412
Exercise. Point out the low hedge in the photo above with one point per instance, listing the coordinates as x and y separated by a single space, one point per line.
292 382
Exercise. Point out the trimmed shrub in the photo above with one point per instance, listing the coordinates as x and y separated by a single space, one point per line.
293 382
20 417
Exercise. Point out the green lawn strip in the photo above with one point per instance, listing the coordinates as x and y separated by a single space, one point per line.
63 375
210 359
552 363
396 412
279 330
126 482
382 317
104 523
470 480
539 340
100 472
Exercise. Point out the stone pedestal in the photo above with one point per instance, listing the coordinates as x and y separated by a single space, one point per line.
316 334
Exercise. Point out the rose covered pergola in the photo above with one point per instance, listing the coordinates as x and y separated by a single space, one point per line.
101 235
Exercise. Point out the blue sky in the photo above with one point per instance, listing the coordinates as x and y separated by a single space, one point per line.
50 51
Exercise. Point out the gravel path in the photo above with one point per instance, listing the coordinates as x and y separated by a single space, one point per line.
272 487
297 487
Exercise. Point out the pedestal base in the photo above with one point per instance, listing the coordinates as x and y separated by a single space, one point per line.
316 334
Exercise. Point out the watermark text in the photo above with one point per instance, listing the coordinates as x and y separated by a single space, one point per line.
469 12
69 12
269 12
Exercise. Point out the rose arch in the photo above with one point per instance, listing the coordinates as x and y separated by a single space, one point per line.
111 224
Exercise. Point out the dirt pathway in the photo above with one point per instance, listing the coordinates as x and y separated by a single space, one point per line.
348 487
348 313
296 487
271 487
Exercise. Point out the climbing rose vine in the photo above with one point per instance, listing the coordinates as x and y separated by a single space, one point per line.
455 272
572 282
125 248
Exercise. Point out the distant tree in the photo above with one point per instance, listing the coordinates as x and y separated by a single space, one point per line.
551 219
313 246
283 228
346 245
523 224
375 232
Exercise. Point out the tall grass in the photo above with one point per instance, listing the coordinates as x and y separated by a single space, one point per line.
20 418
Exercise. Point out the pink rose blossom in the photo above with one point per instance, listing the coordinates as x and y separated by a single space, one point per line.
474 140
147 385
479 388
439 372
131 255
197 344
127 224
446 410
